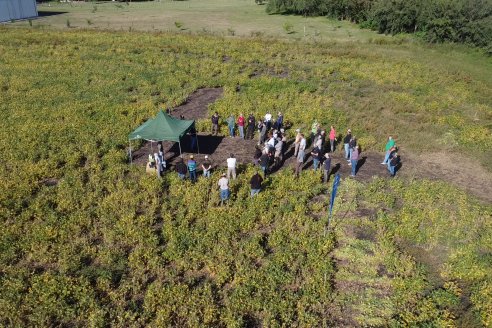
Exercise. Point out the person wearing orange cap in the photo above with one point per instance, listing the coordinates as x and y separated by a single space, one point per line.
192 168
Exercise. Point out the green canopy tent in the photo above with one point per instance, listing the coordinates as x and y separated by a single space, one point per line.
162 128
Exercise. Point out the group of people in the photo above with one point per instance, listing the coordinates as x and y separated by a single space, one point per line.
271 148
237 127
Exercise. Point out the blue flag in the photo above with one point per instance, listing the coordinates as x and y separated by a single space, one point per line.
334 192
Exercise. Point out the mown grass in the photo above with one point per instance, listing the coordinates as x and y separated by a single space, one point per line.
222 17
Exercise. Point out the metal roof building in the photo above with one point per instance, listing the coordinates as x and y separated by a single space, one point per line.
17 9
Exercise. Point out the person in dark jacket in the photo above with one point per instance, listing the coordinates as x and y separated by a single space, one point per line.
393 162
251 127
346 144
255 182
316 153
215 123
181 169
264 162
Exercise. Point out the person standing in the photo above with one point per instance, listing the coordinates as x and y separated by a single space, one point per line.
302 147
280 121
194 141
240 125
326 168
333 138
158 164
255 182
264 161
322 140
279 156
393 162
268 121
192 168
224 188
251 127
352 145
181 169
392 151
314 130
262 128
300 155
346 144
215 123
230 124
297 142
231 167
390 144
354 159
206 167
315 153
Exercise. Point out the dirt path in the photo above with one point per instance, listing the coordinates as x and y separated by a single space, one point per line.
196 106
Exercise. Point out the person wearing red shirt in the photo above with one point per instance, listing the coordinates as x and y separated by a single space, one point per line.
240 124
333 138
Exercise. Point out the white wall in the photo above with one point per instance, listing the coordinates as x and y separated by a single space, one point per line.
17 9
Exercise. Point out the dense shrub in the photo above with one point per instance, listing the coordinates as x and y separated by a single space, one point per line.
463 21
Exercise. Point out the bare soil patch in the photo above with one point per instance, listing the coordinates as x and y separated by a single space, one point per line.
196 106
466 174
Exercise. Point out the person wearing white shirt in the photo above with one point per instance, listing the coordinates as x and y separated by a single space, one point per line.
268 121
231 167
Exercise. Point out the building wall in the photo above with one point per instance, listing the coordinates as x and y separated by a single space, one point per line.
17 9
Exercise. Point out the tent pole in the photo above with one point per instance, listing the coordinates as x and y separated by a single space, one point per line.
197 146
179 143
130 142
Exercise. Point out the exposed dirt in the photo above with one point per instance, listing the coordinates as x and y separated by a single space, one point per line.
196 106
465 173
454 168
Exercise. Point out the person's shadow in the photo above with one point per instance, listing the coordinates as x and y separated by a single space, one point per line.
360 163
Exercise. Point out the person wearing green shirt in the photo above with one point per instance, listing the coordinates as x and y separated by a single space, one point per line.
230 124
389 145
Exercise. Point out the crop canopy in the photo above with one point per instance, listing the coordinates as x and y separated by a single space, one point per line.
162 127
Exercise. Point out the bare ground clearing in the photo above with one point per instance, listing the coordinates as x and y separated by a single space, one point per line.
454 168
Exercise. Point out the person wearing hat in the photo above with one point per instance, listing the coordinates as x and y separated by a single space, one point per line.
326 168
206 167
224 188
192 168
231 167
346 142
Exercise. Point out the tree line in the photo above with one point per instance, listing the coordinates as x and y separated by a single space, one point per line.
462 21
